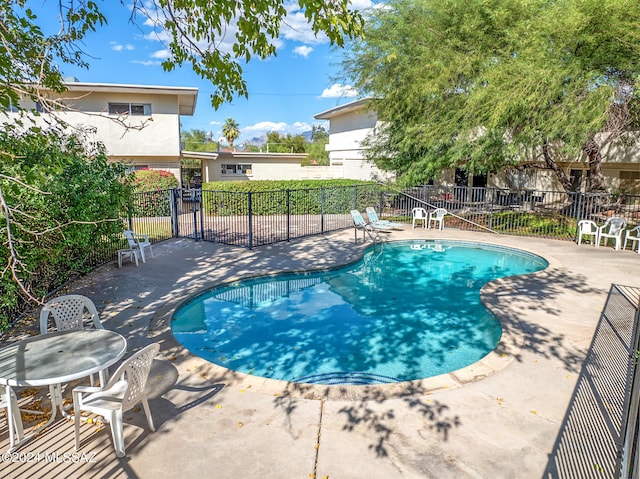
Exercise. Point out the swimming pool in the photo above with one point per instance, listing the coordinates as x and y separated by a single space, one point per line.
409 310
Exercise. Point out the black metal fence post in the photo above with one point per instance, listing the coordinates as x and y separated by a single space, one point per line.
200 203
288 215
250 219
493 194
195 218
173 198
322 210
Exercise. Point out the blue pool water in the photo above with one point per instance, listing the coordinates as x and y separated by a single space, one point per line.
410 310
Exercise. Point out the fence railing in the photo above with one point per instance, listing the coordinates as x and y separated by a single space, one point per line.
549 214
251 219
601 421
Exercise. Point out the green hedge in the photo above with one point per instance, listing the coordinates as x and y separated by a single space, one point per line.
231 198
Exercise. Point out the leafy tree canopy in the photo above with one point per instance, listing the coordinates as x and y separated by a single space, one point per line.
484 84
277 143
198 140
214 38
149 180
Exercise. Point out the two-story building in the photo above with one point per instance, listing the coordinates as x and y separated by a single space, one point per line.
138 124
350 124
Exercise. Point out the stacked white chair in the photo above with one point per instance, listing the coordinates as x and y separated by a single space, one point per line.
123 392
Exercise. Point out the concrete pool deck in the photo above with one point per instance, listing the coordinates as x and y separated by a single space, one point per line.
497 419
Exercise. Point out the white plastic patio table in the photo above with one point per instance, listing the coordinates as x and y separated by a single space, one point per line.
56 358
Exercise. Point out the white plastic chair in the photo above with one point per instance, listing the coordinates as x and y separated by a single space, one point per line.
587 228
15 421
68 313
613 228
633 235
437 216
418 214
138 242
125 390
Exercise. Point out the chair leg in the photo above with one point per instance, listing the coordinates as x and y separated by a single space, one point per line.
14 420
147 412
141 250
76 424
117 432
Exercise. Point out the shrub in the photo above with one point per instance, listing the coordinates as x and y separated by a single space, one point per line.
150 180
152 188
230 198
65 203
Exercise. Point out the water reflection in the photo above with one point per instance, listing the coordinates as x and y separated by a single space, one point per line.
408 311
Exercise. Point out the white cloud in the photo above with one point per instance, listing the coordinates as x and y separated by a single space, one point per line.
302 50
296 27
118 47
338 90
146 63
161 54
264 127
361 4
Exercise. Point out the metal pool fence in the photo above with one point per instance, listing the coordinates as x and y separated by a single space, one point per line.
251 219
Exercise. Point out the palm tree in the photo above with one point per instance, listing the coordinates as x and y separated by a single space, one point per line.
231 130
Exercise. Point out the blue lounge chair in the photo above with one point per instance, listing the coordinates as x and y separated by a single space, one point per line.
360 223
375 220
367 228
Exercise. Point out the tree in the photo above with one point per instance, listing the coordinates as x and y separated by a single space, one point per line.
197 140
195 32
231 130
56 200
319 133
485 84
276 143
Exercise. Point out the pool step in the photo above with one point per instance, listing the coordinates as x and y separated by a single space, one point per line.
347 378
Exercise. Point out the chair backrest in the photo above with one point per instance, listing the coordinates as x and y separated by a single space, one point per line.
128 234
419 213
135 370
68 313
587 226
615 225
439 213
371 213
358 220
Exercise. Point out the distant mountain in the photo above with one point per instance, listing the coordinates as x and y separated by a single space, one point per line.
257 140
261 140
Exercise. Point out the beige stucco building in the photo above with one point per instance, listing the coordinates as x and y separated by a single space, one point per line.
352 123
138 124
349 126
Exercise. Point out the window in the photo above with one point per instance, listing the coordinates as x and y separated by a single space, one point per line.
236 169
629 181
575 176
137 109
132 168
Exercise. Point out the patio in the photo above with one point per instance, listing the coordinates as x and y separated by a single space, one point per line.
498 419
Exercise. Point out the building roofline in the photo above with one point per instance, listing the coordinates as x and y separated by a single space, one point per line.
220 155
187 96
342 109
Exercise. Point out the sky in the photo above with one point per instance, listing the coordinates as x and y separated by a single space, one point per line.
285 91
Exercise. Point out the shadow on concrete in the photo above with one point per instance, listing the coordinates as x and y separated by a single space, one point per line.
592 433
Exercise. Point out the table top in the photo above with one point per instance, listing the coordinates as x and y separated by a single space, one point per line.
59 357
